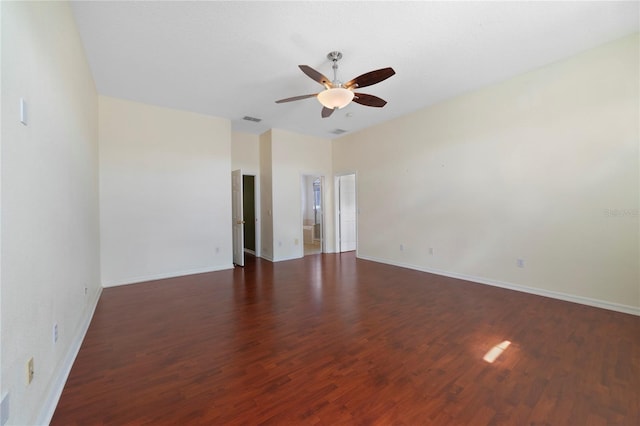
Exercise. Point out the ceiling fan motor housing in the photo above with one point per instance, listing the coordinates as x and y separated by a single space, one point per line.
334 56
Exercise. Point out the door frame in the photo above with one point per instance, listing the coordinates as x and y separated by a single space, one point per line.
323 201
237 218
256 213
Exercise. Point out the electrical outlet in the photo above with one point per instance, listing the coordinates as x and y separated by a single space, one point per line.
431 251
85 289
295 241
30 370
520 263
401 247
55 333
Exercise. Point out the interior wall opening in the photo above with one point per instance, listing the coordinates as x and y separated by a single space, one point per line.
312 214
249 211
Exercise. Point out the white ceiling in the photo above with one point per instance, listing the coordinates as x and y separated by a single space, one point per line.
234 59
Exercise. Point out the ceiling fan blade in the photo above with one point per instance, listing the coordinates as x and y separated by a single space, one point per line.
296 98
326 112
315 75
370 78
368 100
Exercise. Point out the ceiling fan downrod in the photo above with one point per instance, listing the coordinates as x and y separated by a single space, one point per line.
334 57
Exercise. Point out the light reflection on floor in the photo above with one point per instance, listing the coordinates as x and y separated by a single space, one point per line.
313 248
496 351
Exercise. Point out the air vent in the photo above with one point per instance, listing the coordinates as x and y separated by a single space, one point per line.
338 131
255 120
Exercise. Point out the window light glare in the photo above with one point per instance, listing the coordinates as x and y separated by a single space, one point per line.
496 351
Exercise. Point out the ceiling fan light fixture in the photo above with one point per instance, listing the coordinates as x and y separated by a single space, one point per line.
336 97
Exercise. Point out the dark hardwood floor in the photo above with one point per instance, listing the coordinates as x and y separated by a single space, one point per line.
330 339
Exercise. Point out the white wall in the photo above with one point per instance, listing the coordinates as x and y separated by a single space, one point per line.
49 190
542 167
165 192
292 156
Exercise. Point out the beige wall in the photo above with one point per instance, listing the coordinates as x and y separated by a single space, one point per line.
245 156
50 241
165 192
542 167
284 158
295 155
266 196
245 153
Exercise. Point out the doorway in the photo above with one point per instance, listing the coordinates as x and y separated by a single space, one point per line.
346 212
249 210
312 214
243 213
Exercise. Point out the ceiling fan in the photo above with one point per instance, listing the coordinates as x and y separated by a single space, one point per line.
338 95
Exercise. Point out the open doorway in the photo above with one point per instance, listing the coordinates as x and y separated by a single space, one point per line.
249 211
312 214
243 212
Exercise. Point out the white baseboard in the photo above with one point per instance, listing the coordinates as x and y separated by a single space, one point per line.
537 291
284 259
144 278
62 373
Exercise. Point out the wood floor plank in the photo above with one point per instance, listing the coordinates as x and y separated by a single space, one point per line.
331 339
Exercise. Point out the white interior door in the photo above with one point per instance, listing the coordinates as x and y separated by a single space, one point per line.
347 212
238 217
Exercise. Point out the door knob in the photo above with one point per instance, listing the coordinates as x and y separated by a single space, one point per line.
240 222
